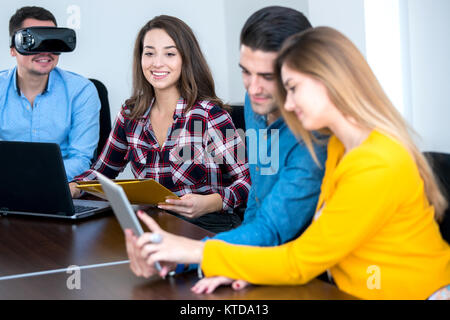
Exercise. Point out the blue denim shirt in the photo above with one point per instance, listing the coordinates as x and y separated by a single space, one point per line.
66 113
285 190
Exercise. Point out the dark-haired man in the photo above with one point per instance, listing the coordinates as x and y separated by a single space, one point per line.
280 205
285 180
284 192
42 103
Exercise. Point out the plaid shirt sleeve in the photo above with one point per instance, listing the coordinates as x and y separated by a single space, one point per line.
112 160
228 149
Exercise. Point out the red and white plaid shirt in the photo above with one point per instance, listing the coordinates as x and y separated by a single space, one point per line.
203 153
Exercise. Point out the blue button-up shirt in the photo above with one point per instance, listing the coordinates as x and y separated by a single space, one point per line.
66 113
285 184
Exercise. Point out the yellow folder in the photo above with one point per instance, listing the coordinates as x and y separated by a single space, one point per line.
144 192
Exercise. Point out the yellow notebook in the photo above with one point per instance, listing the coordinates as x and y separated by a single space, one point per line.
138 191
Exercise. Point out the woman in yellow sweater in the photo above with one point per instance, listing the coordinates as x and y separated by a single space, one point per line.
375 229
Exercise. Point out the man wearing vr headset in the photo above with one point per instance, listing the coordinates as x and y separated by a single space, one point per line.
42 103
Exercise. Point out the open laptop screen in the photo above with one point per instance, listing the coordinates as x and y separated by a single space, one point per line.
33 179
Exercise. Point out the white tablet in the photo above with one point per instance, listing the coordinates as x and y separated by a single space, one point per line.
122 208
120 205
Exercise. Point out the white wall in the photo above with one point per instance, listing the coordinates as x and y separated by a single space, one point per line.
386 53
407 43
429 38
347 16
236 14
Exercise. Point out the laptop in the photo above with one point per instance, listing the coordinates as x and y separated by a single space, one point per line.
33 182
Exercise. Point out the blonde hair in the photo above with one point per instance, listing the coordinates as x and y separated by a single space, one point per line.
328 56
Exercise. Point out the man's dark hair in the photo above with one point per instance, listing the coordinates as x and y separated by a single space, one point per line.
267 28
38 13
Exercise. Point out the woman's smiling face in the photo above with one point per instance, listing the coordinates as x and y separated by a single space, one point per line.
161 60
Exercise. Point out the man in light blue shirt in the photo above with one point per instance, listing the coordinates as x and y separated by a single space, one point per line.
42 103
285 179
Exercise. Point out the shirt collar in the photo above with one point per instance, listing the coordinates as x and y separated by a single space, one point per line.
47 88
277 124
181 107
179 110
262 122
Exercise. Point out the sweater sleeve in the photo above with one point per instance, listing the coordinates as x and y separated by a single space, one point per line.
362 202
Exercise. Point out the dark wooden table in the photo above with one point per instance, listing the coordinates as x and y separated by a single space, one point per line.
35 254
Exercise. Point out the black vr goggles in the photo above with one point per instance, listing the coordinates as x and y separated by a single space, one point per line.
33 40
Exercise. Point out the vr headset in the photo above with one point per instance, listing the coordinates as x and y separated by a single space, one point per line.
33 40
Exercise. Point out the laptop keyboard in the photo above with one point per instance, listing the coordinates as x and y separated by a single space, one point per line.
81 209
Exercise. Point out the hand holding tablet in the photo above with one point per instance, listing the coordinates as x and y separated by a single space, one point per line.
124 211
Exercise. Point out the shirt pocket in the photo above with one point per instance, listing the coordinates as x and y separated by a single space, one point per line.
137 157
189 174
187 165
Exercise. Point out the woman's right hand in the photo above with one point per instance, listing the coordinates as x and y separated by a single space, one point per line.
172 248
138 264
74 191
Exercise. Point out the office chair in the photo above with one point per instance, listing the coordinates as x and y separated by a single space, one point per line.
440 163
237 115
105 117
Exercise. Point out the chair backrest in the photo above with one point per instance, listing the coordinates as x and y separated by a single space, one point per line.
237 115
105 117
440 163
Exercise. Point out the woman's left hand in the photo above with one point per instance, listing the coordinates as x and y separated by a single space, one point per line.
194 205
208 285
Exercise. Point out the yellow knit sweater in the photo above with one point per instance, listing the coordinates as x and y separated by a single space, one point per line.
374 230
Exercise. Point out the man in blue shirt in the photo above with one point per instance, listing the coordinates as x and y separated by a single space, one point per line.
285 179
42 103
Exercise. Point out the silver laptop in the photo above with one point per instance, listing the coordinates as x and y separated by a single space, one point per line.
33 182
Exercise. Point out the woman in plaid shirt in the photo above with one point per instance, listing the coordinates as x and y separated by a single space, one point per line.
174 129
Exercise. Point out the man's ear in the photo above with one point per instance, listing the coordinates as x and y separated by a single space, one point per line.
13 52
